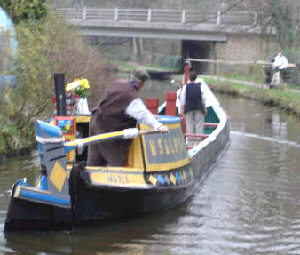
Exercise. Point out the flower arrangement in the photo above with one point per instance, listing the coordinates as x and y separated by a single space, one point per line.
79 87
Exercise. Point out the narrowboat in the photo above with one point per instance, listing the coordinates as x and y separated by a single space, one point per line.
162 170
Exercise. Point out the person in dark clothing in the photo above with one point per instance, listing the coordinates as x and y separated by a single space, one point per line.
193 102
119 109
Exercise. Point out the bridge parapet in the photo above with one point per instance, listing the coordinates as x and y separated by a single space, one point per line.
183 18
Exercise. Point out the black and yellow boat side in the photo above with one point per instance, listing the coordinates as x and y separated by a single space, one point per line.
158 175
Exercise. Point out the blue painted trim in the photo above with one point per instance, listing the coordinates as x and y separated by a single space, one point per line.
178 177
43 184
47 129
161 179
44 197
188 176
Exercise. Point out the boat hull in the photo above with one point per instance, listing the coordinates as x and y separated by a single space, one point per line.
92 203
97 203
25 215
207 156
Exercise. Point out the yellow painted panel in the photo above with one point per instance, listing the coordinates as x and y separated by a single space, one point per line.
17 192
164 152
172 179
184 176
167 166
118 179
69 137
58 176
135 158
152 179
82 119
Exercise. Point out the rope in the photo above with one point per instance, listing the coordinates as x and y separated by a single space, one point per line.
49 140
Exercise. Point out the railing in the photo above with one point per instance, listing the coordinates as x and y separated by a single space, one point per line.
240 18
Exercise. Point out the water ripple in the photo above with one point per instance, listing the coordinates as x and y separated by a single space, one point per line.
271 139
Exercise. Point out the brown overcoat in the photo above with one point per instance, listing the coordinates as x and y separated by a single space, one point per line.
110 116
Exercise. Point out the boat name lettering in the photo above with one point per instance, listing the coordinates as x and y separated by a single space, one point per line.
165 146
117 178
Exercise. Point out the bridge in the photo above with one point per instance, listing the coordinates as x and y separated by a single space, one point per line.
200 34
162 24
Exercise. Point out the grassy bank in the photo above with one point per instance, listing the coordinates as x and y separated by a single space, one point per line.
44 48
284 97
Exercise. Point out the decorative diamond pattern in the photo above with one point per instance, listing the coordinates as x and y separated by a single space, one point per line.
58 176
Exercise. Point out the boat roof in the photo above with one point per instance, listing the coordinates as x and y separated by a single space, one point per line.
167 119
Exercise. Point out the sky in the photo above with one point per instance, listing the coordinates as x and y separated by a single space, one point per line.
6 24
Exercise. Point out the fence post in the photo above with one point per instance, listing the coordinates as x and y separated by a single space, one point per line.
84 12
149 14
183 17
116 14
218 18
255 19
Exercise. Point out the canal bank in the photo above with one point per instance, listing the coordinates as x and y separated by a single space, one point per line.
285 98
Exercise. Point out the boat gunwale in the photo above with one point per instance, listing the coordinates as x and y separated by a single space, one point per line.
213 135
146 188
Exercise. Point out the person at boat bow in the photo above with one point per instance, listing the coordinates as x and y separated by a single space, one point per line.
193 100
119 109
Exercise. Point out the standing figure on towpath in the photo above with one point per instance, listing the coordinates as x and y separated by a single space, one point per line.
192 100
279 65
119 109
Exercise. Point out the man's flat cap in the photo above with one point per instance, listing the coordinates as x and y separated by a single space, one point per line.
139 75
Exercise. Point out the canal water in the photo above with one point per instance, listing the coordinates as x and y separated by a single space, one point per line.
248 204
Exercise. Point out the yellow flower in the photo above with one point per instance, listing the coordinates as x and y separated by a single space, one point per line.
85 83
70 87
79 87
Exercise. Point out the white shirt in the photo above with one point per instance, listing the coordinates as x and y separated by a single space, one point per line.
178 95
280 62
137 110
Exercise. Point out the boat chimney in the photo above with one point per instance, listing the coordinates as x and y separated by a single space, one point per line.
152 105
60 94
171 97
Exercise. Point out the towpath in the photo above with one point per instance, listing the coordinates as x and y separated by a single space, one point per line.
252 84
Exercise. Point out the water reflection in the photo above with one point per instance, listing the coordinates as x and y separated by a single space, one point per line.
125 236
